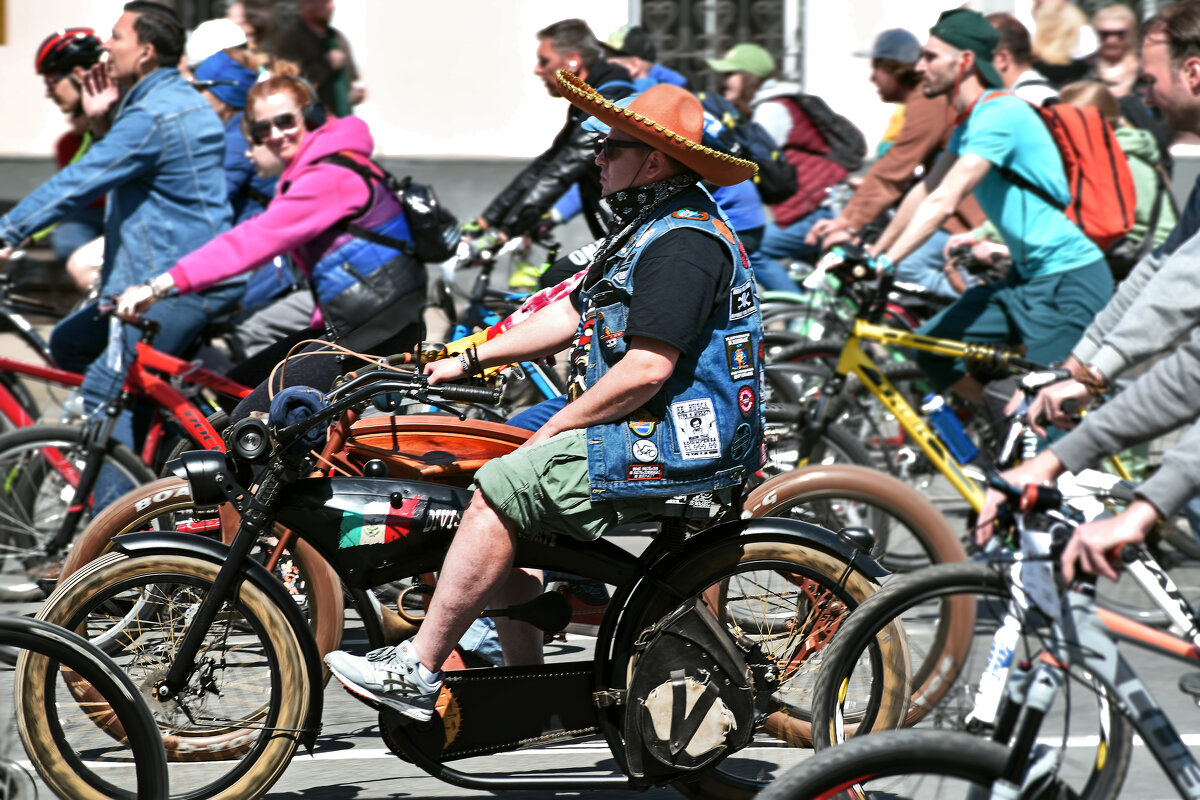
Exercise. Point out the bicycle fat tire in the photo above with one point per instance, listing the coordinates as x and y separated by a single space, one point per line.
258 761
41 638
151 505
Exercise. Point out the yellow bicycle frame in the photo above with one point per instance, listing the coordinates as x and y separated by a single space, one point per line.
855 361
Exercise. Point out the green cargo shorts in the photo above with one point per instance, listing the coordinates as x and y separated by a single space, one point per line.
544 490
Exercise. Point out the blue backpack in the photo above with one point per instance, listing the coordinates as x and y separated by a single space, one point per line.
776 178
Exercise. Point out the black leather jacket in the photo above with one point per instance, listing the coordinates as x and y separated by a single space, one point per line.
569 160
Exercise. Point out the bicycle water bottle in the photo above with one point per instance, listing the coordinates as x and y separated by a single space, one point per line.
991 683
949 428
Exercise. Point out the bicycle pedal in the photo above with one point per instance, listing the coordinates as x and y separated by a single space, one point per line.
1189 683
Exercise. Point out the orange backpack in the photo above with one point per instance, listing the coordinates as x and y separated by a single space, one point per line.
1103 197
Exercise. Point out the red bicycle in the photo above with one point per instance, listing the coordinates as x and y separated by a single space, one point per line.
56 475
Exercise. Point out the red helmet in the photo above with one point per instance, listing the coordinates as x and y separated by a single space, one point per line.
66 49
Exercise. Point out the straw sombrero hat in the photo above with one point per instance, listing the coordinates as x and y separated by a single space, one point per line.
667 118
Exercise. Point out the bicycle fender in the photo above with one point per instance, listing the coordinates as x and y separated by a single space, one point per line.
786 530
184 544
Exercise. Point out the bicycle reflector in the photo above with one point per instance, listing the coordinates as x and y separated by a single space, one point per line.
249 440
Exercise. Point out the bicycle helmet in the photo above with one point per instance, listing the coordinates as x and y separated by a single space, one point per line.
66 49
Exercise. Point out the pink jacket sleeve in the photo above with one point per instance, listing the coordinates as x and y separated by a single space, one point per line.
318 197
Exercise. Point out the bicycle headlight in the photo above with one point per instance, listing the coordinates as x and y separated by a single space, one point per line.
249 440
208 475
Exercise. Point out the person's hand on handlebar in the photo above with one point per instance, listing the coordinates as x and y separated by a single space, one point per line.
828 232
445 370
136 300
1095 546
1057 405
1043 468
956 241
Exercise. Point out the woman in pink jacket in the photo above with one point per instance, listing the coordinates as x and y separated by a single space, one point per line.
343 227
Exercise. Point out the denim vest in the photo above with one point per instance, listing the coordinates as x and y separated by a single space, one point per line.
161 165
704 430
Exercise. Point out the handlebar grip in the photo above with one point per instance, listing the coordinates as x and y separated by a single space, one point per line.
468 394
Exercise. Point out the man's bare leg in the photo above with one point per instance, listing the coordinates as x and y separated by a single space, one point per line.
521 642
477 566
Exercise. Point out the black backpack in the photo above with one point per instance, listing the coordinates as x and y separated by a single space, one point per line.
847 145
434 230
776 178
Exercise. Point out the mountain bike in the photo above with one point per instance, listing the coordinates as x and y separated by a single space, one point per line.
237 675
487 306
1079 647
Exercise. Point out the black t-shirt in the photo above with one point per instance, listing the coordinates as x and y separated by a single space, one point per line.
680 279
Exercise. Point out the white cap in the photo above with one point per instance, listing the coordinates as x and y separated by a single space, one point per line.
212 36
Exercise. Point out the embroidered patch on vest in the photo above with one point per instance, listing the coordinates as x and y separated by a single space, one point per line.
645 451
641 423
745 400
610 338
723 229
691 213
740 356
739 446
696 429
644 472
741 301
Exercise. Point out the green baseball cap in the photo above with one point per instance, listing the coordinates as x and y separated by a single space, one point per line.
745 57
969 30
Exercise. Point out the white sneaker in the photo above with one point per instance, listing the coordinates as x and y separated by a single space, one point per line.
387 677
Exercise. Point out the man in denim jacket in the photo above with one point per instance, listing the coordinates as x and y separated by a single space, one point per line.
664 389
161 165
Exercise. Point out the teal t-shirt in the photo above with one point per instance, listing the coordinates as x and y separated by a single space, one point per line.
1007 132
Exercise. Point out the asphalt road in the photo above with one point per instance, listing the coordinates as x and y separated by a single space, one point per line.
352 762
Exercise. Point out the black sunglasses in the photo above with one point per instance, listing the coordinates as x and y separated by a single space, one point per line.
1118 34
260 130
606 145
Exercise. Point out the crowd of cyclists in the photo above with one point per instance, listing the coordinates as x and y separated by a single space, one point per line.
198 184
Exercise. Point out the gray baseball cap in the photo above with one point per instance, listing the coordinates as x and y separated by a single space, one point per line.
895 44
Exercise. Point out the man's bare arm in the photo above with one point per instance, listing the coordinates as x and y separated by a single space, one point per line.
964 174
912 201
627 385
545 333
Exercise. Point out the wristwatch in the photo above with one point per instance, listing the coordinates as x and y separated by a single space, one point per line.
157 289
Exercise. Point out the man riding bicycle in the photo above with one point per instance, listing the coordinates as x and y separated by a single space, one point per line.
1060 278
626 441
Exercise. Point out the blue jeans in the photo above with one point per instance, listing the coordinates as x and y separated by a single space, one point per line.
535 417
924 265
102 348
786 243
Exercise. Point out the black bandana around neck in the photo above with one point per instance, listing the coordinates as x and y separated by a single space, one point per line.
632 207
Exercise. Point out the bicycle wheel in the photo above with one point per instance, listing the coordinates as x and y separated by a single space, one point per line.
242 707
134 767
39 466
166 505
945 678
894 765
749 586
909 531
